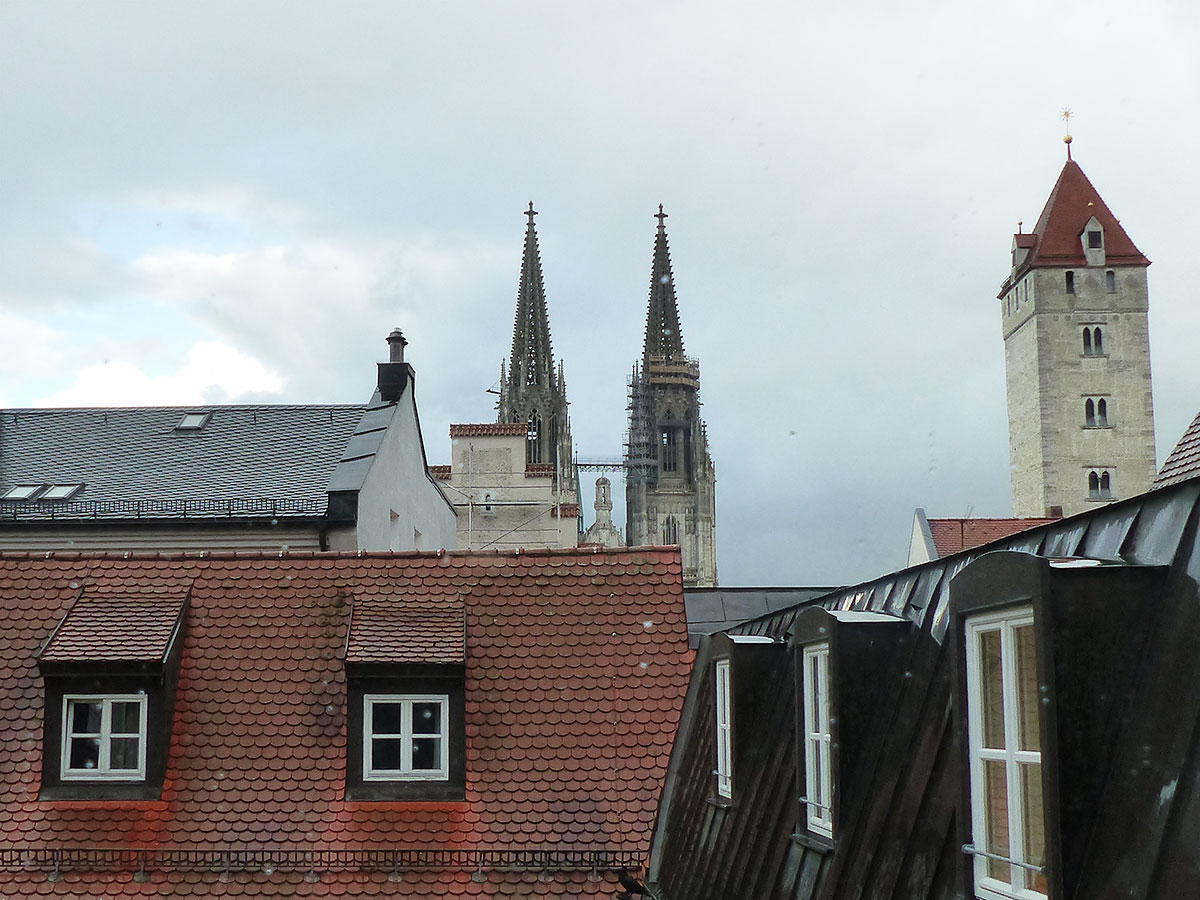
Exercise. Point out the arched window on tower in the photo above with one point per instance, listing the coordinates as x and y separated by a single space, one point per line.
1110 281
533 442
670 530
1070 282
1102 413
1097 341
1087 342
1089 413
1099 485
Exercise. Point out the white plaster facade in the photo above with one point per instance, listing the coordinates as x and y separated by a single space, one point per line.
501 502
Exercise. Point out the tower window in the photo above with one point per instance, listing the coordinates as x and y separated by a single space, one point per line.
670 451
1093 341
533 443
1099 485
670 530
1110 281
1070 282
1095 240
1095 412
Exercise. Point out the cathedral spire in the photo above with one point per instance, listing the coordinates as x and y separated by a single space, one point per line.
532 361
663 337
532 389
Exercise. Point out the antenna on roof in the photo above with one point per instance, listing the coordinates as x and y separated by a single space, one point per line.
1066 117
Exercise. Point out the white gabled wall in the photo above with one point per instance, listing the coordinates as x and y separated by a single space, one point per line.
399 505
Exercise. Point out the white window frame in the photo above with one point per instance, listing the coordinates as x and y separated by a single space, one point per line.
406 772
103 770
988 887
818 740
724 770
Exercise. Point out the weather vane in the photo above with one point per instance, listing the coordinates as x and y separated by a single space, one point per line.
1066 117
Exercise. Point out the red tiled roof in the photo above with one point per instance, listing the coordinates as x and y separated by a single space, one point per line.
118 627
1071 204
1183 462
442 473
955 535
406 629
576 668
494 429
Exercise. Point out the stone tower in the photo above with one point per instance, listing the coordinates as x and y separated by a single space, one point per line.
670 484
532 389
1077 356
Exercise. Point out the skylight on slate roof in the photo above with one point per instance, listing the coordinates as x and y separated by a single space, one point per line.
61 492
193 421
21 492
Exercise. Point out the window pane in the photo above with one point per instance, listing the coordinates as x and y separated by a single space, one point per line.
426 753
385 718
992 694
126 718
85 753
996 812
427 718
1035 826
85 717
385 753
1027 688
123 753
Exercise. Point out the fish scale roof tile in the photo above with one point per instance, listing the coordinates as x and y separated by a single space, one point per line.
268 770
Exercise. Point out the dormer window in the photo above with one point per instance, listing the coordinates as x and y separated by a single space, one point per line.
405 687
110 669
104 737
405 737
818 740
724 769
834 707
1095 239
1008 816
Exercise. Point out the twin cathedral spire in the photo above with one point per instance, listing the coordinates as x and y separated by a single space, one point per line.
669 494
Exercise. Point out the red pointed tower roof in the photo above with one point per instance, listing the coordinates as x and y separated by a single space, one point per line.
1072 203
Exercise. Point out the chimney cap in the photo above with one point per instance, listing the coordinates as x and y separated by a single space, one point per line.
396 345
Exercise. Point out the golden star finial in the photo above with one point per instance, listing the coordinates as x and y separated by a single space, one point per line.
1066 117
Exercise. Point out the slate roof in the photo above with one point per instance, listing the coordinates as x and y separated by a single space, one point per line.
1072 203
1183 462
576 668
284 455
898 837
951 536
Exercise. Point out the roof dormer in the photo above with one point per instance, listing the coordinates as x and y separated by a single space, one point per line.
1092 241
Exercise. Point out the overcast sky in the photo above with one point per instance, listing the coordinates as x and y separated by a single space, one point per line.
235 202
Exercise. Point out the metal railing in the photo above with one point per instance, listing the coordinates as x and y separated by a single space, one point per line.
160 509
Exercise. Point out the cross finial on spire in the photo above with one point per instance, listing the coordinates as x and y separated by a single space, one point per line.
660 215
1066 117
531 212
